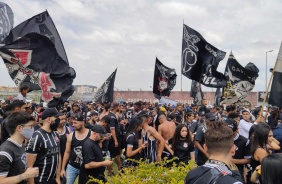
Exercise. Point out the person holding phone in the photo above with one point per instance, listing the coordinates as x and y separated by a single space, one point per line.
132 148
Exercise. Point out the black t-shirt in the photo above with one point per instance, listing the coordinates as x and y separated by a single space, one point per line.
12 159
76 150
200 137
47 147
243 150
132 141
183 150
178 116
91 152
114 124
192 126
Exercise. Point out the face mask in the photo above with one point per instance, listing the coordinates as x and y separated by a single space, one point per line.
54 125
28 132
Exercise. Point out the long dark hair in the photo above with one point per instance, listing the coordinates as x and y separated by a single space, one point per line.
271 169
176 137
260 137
134 123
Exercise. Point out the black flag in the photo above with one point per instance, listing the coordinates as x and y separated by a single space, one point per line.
196 92
33 60
164 79
6 20
217 97
200 59
240 80
275 97
105 93
41 24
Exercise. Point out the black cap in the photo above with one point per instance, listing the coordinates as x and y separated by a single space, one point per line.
232 124
78 117
99 129
143 114
49 112
210 116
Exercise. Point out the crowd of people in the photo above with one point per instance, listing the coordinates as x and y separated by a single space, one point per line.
229 144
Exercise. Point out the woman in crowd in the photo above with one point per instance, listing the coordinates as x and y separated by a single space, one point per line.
132 148
262 137
182 145
269 171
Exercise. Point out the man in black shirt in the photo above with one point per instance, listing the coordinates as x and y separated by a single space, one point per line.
16 106
73 153
93 161
43 149
179 114
243 147
202 156
12 153
220 147
115 141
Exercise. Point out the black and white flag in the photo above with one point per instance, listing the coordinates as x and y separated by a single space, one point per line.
196 92
41 24
105 93
200 59
240 80
6 20
33 60
275 97
164 79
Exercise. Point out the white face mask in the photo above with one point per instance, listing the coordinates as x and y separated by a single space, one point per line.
28 132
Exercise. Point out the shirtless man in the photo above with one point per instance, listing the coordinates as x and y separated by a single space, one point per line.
166 130
149 137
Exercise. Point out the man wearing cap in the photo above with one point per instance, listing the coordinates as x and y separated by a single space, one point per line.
73 153
200 140
245 123
43 149
93 161
243 148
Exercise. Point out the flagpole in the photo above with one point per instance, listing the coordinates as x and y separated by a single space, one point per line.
266 94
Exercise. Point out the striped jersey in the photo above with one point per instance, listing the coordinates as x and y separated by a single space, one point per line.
47 147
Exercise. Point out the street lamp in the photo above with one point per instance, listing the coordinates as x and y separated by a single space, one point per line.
266 68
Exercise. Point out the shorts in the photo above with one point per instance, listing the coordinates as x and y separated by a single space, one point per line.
115 151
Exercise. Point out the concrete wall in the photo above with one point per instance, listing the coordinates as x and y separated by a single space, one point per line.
180 96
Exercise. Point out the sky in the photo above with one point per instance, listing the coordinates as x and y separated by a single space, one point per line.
101 35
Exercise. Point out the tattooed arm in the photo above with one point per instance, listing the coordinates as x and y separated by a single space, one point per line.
29 173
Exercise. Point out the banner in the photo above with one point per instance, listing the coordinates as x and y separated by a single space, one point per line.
240 80
196 92
164 79
105 93
33 60
41 24
6 20
168 101
200 59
